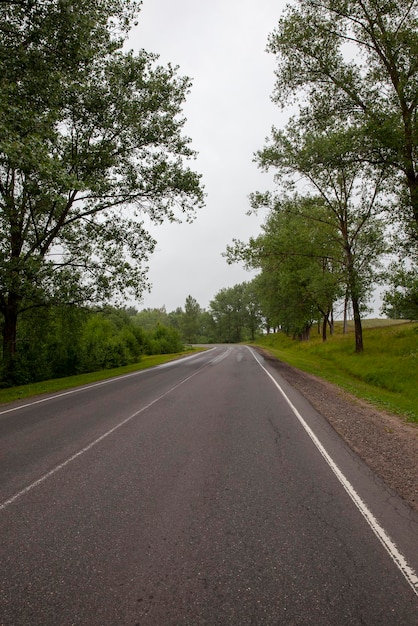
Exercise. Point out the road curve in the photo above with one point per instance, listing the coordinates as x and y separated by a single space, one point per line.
205 492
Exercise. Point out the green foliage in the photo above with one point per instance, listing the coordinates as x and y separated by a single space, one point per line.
301 264
356 62
194 324
148 319
190 321
351 67
49 343
385 374
164 340
102 348
90 142
401 299
64 341
112 338
235 313
346 210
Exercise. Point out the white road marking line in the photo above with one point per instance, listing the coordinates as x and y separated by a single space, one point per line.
397 557
72 458
222 356
100 383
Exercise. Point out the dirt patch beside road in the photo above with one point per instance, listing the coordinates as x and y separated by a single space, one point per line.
387 444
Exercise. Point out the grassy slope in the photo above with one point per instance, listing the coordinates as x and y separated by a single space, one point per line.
60 384
385 374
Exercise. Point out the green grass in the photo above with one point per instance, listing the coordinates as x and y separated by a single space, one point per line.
61 384
385 374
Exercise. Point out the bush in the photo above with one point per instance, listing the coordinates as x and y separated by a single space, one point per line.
56 342
165 340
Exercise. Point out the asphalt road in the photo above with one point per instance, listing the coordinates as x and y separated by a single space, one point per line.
195 494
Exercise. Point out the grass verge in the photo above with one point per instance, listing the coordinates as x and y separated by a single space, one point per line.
385 374
61 384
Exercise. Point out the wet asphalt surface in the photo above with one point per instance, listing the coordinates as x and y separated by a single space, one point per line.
190 495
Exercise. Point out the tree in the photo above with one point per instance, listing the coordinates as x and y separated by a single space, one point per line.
49 343
165 340
267 287
357 60
148 319
190 321
300 262
207 330
227 310
325 155
235 313
90 143
254 315
400 301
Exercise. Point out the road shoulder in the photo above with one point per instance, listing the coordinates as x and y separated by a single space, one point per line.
388 445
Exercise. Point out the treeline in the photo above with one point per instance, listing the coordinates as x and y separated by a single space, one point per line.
63 341
66 340
316 264
345 165
233 315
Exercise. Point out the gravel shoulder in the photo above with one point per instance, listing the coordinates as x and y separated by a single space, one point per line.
384 441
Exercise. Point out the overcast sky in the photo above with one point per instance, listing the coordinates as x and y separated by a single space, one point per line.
220 45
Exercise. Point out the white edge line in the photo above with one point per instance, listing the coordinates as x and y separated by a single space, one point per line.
82 388
398 558
72 458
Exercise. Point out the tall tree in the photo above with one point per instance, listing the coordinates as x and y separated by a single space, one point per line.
300 261
90 143
228 312
236 313
254 314
358 60
190 321
351 194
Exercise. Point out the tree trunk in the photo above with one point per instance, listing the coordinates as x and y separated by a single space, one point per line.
324 328
355 301
345 323
413 191
305 334
331 322
358 330
10 313
410 163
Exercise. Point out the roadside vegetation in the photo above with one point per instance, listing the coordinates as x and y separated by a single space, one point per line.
385 374
66 341
92 142
91 149
343 216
